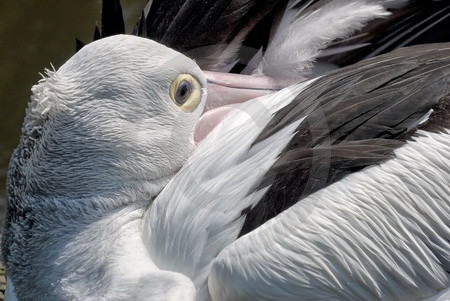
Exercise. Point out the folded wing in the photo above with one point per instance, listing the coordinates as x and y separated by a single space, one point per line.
340 183
367 174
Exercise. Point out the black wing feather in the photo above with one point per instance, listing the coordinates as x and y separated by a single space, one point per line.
354 117
204 29
112 22
420 22
112 18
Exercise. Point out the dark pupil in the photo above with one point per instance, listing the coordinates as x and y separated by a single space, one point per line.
183 92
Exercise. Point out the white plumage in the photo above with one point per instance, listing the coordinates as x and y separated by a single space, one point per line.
379 234
301 35
109 197
201 207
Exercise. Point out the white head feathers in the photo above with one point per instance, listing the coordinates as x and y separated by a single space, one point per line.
107 114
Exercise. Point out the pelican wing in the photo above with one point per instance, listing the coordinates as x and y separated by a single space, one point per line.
353 118
313 160
413 23
211 32
296 38
367 173
288 38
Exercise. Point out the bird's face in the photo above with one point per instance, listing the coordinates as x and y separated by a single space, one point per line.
122 110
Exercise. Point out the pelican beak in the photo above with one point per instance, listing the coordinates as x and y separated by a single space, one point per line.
226 89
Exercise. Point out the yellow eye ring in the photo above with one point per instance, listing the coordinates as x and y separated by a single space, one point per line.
185 92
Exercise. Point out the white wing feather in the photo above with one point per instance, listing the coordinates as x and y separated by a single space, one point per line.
379 234
301 35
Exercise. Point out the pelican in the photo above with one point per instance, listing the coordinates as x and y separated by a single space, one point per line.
337 187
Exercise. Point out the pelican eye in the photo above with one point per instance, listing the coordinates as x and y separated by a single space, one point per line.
185 92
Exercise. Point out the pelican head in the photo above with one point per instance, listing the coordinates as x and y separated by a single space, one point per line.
120 112
101 137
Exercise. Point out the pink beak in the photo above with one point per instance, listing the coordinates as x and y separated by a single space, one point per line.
226 89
